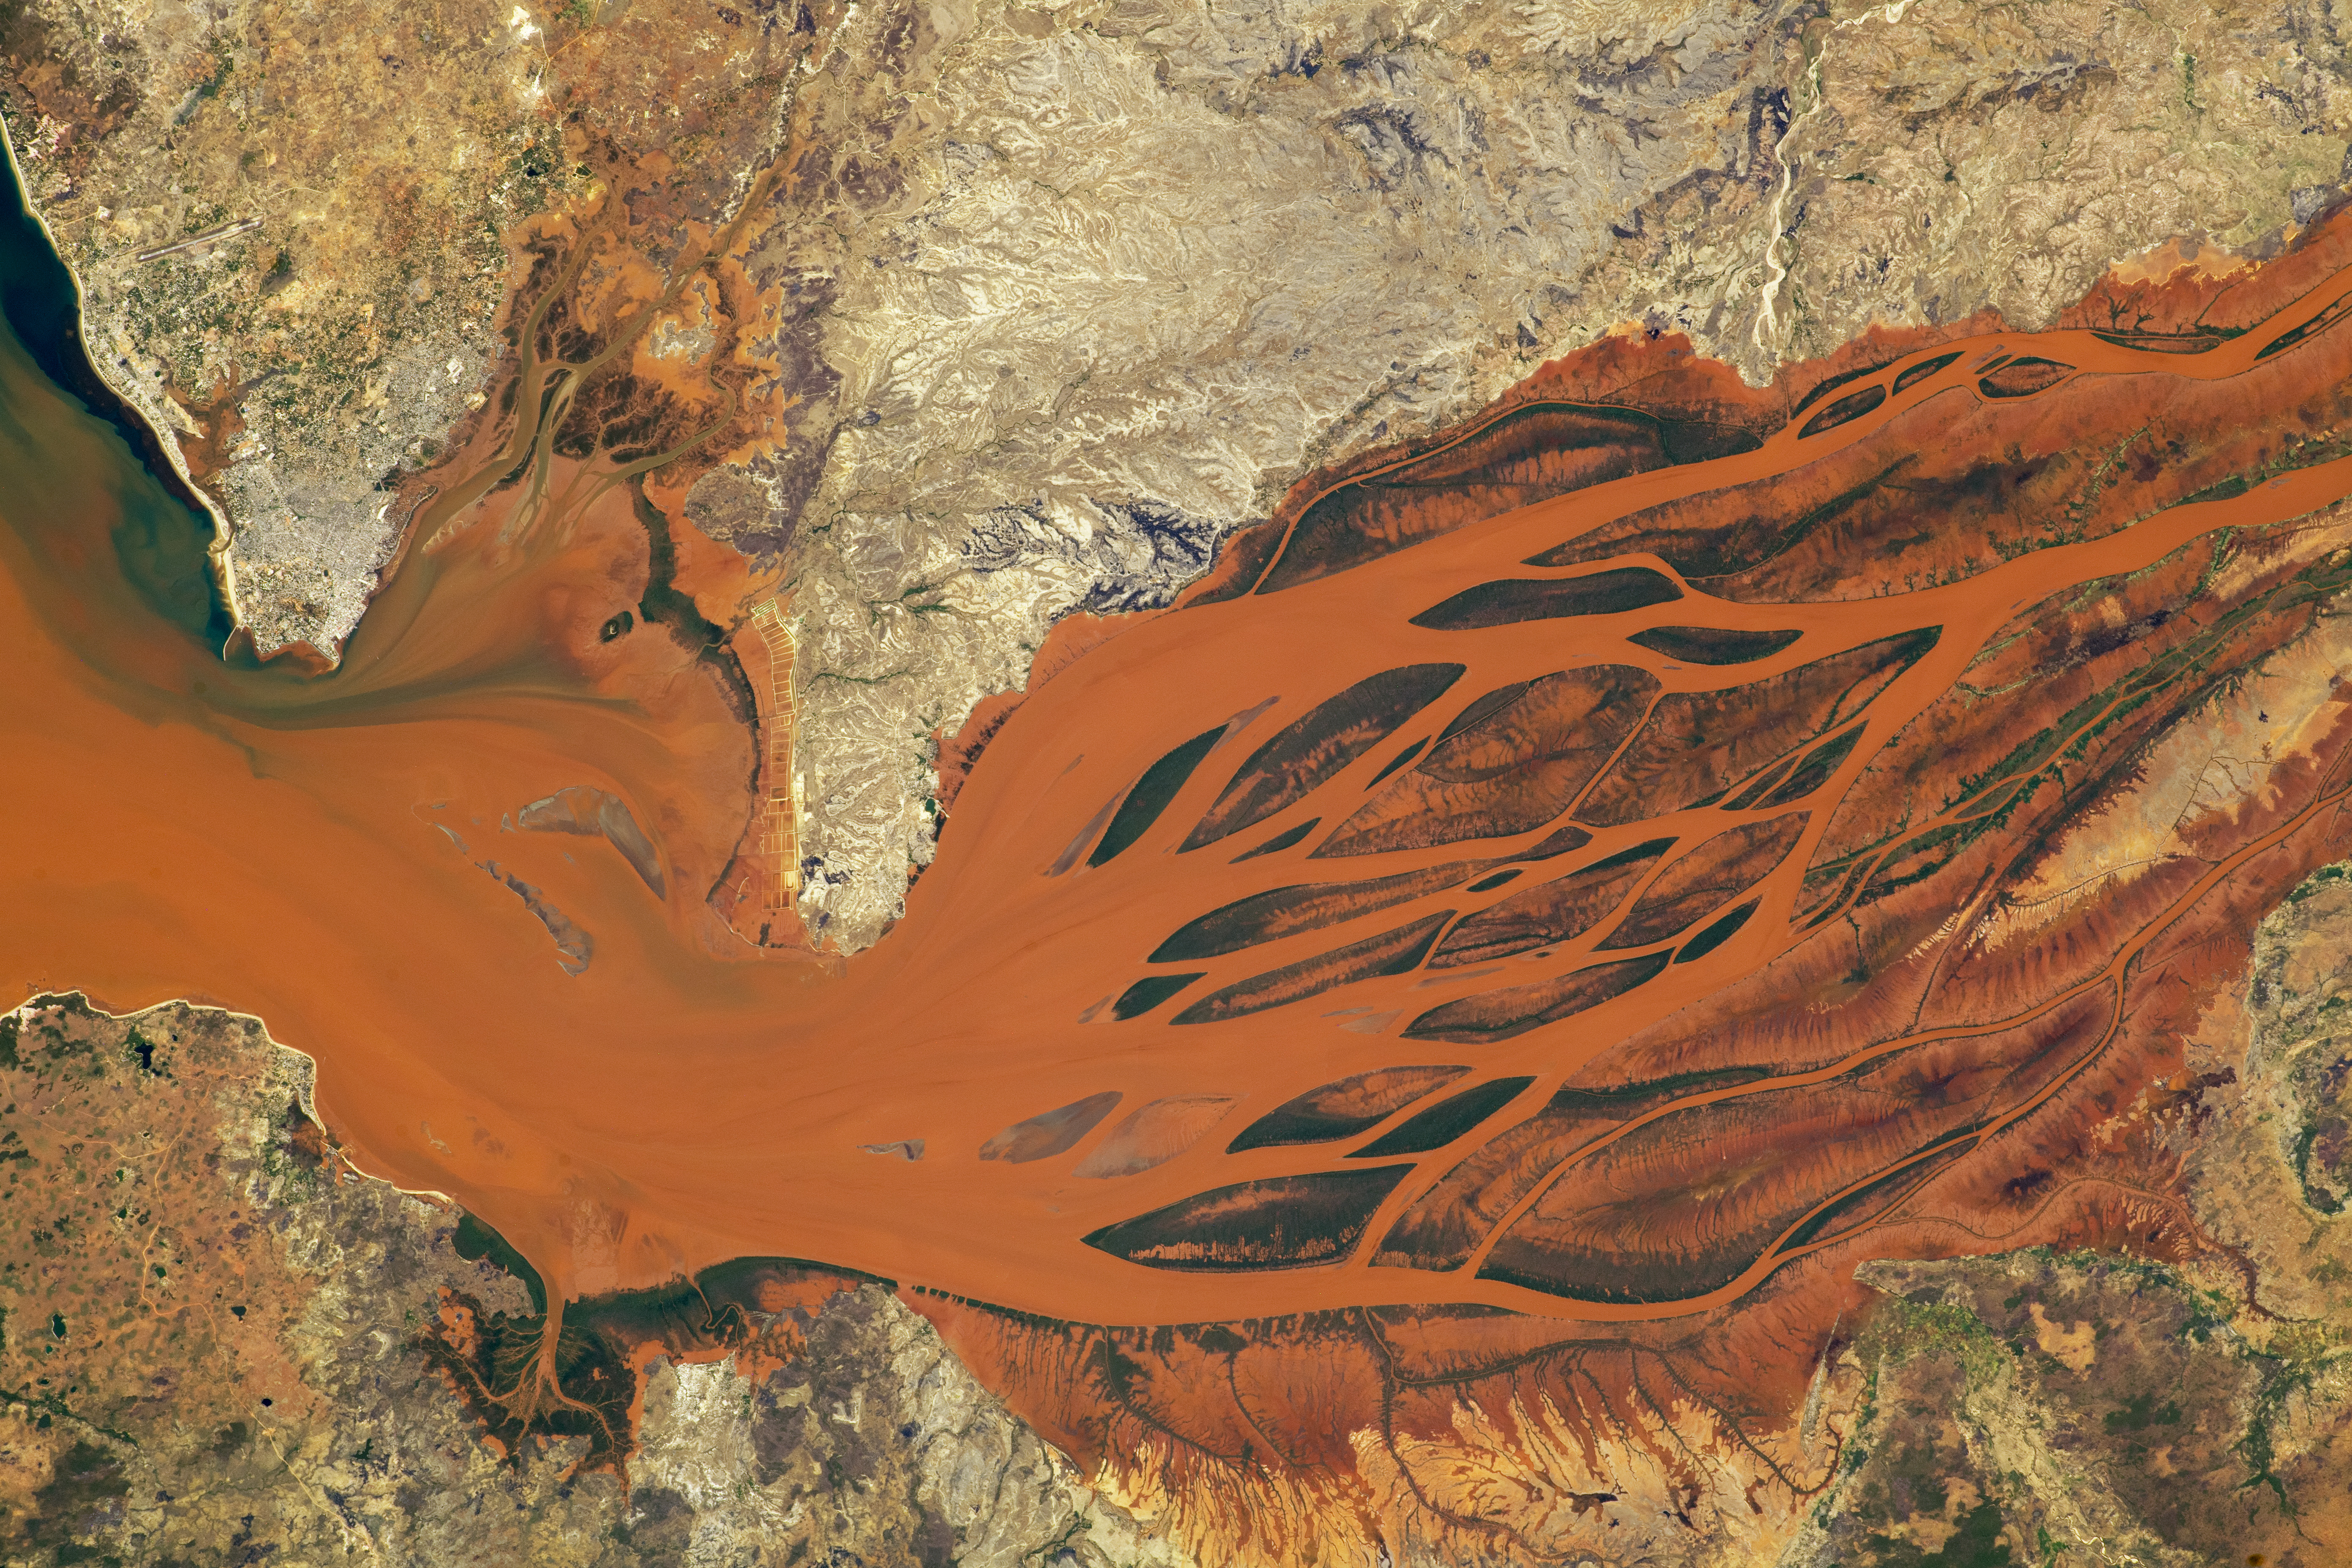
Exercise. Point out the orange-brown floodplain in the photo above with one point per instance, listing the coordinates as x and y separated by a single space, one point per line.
316 849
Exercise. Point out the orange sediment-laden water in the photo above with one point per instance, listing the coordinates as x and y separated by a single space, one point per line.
1275 949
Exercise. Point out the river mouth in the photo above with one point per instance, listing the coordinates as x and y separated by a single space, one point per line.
1402 833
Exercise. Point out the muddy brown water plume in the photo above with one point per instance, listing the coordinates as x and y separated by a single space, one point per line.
1398 843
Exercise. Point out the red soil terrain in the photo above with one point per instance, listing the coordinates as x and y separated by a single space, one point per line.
1552 903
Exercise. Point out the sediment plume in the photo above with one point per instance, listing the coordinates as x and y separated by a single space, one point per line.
1498 956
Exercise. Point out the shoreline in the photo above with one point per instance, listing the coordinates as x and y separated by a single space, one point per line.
306 1097
127 417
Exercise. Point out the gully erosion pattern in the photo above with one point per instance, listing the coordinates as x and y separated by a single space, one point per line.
1566 877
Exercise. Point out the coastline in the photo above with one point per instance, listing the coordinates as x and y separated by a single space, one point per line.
156 451
306 1072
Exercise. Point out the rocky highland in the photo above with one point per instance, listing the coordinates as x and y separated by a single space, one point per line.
930 338
1030 308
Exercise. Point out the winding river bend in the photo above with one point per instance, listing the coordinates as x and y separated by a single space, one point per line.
1254 929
